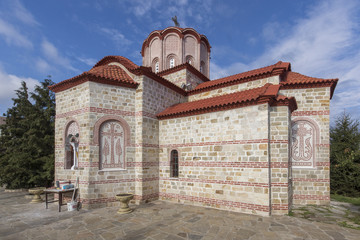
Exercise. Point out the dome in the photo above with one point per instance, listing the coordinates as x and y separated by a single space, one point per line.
173 46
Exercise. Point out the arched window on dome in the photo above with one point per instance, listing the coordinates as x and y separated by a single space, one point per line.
190 60
155 65
172 62
202 67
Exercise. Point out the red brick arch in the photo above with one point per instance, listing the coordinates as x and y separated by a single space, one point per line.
122 122
66 129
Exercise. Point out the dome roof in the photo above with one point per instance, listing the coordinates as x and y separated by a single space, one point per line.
177 30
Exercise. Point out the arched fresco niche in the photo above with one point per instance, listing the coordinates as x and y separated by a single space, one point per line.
112 145
71 145
304 140
112 135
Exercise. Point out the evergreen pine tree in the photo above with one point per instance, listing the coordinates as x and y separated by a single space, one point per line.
41 133
345 156
14 160
27 139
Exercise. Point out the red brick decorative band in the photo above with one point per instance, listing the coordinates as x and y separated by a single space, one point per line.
214 143
106 111
311 197
145 114
279 165
192 180
325 180
323 145
323 164
128 164
310 113
81 164
227 164
190 164
125 180
280 206
142 164
216 202
224 164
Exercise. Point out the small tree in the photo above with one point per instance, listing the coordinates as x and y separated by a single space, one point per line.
345 156
27 139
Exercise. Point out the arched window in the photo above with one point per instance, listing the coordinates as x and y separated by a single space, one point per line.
172 62
71 145
202 67
174 163
190 60
304 140
156 67
112 148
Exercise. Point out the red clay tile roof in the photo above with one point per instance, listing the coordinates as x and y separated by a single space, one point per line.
272 70
281 100
267 93
2 120
120 59
182 66
177 30
291 80
108 74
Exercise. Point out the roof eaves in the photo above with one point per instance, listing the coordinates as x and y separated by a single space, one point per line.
285 101
86 76
183 66
311 84
147 72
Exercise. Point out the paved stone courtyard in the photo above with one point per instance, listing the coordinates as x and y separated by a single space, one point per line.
153 221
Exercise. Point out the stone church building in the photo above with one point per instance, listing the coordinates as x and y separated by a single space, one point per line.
254 142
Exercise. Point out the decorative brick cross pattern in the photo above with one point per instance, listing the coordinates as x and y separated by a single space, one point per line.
111 145
302 149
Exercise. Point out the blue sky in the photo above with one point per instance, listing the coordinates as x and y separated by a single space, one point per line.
65 38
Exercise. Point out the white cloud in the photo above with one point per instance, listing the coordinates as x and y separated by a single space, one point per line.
119 38
42 65
316 41
325 43
53 55
88 61
186 12
13 36
23 14
9 83
219 72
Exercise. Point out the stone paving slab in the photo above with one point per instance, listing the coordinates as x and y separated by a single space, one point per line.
153 221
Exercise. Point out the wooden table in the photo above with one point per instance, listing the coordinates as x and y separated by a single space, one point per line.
60 193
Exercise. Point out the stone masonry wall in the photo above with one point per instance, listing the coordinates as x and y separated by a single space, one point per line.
94 102
281 188
183 76
70 103
223 159
312 185
151 98
234 88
